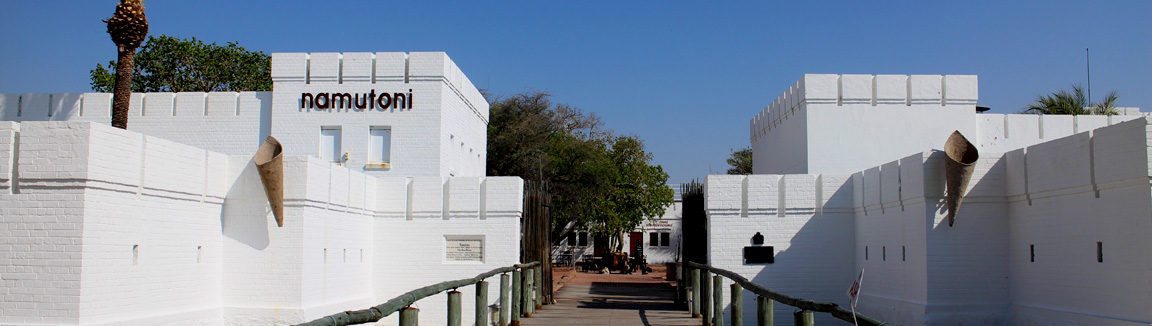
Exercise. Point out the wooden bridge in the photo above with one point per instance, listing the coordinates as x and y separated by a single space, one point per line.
613 299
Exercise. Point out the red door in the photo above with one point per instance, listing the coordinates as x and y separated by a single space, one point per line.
634 239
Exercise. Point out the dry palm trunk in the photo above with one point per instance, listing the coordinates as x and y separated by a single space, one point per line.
128 27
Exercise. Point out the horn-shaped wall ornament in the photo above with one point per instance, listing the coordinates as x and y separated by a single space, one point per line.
962 156
270 164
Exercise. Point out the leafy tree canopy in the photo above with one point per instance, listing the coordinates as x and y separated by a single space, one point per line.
169 64
1074 103
741 162
598 180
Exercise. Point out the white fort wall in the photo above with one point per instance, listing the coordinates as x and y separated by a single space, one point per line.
1056 199
74 253
828 123
807 219
441 131
107 226
226 122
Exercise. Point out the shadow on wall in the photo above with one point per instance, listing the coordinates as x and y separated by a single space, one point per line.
967 263
246 210
813 265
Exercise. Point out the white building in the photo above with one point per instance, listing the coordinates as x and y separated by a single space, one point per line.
658 236
167 222
1053 230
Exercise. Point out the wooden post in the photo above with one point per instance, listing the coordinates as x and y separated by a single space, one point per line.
409 316
694 280
763 311
517 291
454 310
706 297
529 304
737 305
718 300
482 303
539 281
505 299
804 318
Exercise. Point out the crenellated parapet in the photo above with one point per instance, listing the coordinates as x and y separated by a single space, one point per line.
868 90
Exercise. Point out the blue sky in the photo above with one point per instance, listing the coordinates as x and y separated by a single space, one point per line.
685 76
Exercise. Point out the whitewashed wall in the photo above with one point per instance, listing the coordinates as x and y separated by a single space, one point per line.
226 122
847 123
441 135
1062 196
411 246
808 219
110 227
105 226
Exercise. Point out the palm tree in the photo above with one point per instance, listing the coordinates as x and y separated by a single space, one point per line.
1074 103
128 27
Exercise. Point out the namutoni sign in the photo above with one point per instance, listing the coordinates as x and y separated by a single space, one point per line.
369 101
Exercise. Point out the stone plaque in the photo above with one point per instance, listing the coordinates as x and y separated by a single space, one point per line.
464 250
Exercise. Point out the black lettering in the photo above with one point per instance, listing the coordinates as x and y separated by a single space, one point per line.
322 96
345 100
384 101
411 99
306 98
372 99
400 102
361 102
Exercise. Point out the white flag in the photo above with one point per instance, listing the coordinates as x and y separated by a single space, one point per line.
854 291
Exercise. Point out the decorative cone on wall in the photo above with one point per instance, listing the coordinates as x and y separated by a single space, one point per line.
270 164
962 156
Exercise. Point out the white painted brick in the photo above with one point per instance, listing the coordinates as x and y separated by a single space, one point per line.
856 89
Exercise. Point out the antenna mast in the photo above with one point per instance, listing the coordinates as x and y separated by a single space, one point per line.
1088 63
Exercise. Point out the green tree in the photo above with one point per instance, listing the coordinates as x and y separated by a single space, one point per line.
741 162
637 191
598 180
169 64
1074 103
128 26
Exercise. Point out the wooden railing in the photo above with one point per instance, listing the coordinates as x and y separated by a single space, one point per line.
701 282
519 301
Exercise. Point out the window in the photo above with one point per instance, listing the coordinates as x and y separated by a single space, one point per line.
1099 252
583 239
653 239
380 147
330 144
665 239
865 252
571 239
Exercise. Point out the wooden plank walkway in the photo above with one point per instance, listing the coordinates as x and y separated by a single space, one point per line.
613 299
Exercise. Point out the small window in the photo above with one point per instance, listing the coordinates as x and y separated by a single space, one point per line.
884 253
865 252
1099 252
665 239
653 239
380 147
583 239
571 239
903 253
1032 253
330 144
